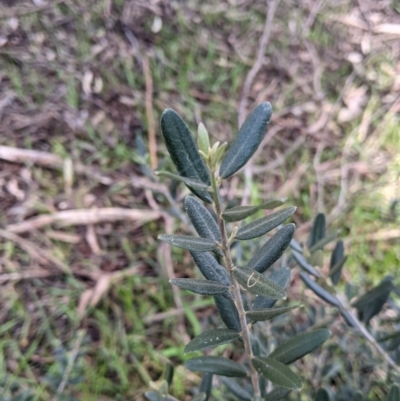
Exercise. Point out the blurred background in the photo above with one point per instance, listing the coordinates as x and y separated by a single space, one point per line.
86 309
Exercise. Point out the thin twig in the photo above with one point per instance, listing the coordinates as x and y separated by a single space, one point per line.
243 103
149 112
85 217
368 336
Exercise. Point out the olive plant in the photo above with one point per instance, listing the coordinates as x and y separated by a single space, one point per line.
203 168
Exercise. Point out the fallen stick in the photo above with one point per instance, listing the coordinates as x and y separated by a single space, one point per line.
85 217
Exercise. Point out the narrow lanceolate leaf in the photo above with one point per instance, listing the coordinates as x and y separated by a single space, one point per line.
195 184
302 262
246 142
277 373
394 393
280 277
318 230
264 225
236 389
203 139
189 242
228 312
322 395
273 249
383 289
318 290
210 268
337 261
217 365
211 338
277 394
241 212
204 287
205 385
323 241
256 283
183 150
267 314
372 302
202 219
299 345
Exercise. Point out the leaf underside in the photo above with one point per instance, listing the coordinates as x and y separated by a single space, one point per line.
262 226
211 338
267 314
256 283
236 389
202 219
302 262
216 365
188 242
210 268
280 277
199 286
242 212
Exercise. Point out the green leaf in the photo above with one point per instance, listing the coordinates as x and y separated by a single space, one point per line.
280 277
205 385
211 338
241 212
246 142
277 394
323 241
322 395
256 283
216 365
210 268
300 345
394 393
189 242
202 219
337 261
302 262
156 396
382 289
277 373
273 249
168 373
195 184
236 389
320 291
204 287
371 303
262 226
202 138
267 314
183 150
228 312
318 230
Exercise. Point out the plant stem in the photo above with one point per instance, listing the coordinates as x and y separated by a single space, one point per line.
368 336
236 288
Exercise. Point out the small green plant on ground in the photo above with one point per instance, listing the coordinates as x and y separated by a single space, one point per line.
246 294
